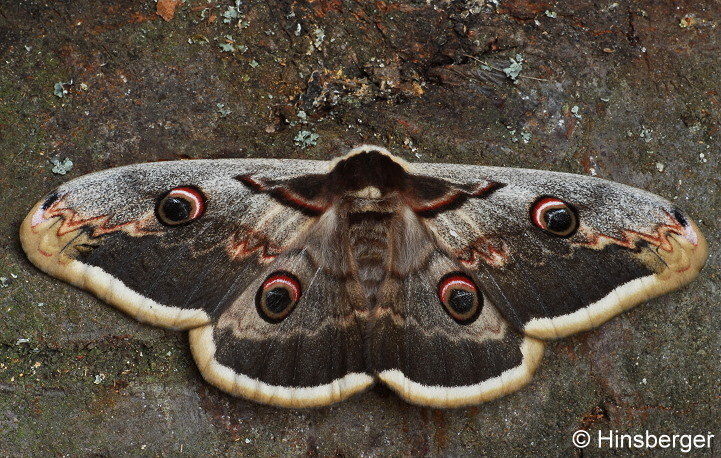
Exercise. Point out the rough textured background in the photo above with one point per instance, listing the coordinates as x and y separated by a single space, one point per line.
625 91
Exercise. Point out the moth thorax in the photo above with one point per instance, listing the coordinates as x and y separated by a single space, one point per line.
371 200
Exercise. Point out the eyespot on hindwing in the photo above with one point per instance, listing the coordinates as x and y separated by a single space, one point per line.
277 296
460 297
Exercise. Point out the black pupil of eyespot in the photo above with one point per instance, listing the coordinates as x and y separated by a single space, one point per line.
277 300
176 209
461 301
558 219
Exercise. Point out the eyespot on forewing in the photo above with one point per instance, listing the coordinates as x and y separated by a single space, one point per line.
180 206
554 216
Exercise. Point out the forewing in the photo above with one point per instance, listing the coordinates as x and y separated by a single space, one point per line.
630 245
101 233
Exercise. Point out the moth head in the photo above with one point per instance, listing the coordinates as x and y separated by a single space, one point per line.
460 297
277 296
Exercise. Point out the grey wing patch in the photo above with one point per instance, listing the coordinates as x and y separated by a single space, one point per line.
630 246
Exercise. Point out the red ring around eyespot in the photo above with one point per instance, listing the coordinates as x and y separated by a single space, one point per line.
192 195
454 281
540 206
282 280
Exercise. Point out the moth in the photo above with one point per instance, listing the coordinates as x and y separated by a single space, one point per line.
303 282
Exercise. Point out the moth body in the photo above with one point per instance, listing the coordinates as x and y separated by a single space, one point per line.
305 282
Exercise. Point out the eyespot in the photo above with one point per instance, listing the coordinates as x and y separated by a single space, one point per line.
180 206
277 296
460 297
554 216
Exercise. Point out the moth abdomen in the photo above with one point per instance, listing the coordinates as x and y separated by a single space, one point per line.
368 239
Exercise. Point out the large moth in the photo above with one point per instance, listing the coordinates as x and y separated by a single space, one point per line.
304 282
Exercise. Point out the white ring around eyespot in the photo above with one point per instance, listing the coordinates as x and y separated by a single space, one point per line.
193 196
448 284
289 282
537 211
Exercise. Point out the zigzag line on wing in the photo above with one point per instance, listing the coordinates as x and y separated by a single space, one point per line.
70 221
246 241
630 238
